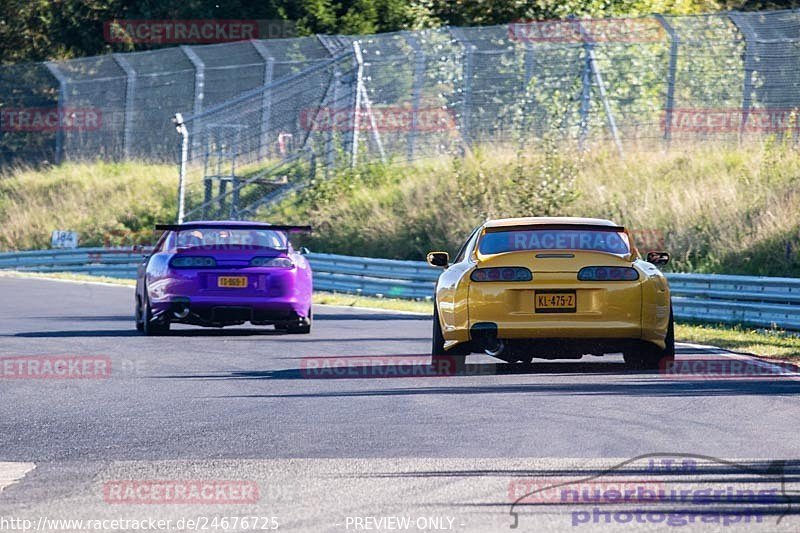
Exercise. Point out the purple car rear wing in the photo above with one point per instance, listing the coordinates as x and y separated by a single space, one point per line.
227 225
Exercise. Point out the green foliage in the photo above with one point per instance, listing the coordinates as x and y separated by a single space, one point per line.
545 186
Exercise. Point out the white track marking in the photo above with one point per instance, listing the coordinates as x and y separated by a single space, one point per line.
776 370
11 473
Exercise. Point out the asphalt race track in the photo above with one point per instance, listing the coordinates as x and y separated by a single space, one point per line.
320 438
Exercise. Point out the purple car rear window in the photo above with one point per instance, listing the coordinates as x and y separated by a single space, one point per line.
245 238
614 242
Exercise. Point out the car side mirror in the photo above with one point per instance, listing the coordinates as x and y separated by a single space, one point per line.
658 258
303 251
439 259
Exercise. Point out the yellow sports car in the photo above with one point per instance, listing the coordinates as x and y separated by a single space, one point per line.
552 288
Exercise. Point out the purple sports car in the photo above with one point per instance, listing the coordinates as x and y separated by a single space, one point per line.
224 273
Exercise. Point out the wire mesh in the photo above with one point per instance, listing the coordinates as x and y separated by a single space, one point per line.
645 80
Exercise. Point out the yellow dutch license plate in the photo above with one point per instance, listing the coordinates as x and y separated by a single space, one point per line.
555 302
236 282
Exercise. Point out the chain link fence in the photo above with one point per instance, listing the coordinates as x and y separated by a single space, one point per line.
273 111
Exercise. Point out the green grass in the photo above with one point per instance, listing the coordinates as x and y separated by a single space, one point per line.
67 276
394 304
776 344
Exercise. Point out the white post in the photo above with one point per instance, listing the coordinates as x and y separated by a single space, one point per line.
357 105
181 127
375 133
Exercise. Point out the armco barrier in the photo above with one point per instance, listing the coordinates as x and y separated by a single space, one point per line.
748 300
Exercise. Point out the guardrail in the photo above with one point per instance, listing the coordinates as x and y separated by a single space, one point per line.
747 300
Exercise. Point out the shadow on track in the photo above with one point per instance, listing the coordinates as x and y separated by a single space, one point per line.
370 316
198 332
192 331
86 318
639 384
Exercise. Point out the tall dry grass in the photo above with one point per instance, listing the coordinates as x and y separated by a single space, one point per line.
716 208
114 203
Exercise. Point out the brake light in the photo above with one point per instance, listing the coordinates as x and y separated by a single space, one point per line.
191 261
501 274
608 274
277 262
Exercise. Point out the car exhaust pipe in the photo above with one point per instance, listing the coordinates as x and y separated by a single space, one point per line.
494 347
181 314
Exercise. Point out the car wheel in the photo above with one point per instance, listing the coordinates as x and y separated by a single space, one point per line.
138 314
152 327
442 361
302 329
652 357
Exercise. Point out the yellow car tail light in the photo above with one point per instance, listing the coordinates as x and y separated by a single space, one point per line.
608 273
501 274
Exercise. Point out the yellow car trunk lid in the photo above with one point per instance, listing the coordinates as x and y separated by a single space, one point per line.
544 261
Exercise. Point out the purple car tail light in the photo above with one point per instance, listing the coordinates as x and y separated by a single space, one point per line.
274 262
189 261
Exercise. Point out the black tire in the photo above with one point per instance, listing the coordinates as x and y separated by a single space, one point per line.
302 329
437 347
137 313
442 361
150 327
651 357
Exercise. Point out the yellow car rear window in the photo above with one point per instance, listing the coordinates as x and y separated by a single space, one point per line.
496 242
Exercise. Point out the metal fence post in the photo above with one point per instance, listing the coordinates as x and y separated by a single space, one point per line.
266 97
586 97
591 69
331 100
416 91
199 77
527 93
130 94
357 103
669 105
749 67
62 102
466 88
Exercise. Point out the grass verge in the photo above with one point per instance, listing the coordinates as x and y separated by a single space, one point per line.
773 343
67 276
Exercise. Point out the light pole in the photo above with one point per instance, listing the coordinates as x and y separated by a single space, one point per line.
181 128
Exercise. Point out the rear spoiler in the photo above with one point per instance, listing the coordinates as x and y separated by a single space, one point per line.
576 227
221 225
